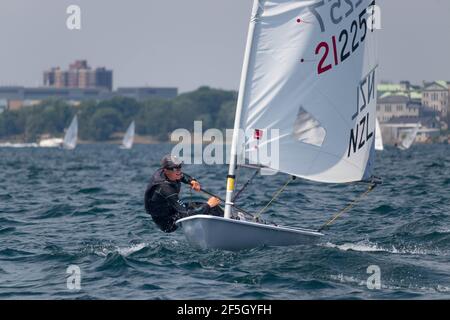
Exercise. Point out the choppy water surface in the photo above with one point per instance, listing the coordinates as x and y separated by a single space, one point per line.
60 208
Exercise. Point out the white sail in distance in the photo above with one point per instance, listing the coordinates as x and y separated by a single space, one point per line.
378 137
311 78
71 136
128 139
409 139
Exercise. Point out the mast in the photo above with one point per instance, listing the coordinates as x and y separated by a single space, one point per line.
256 12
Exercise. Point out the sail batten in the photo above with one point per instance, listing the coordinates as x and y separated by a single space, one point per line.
312 78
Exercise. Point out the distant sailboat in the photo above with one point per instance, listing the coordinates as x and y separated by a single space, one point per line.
128 139
307 93
378 137
409 138
71 137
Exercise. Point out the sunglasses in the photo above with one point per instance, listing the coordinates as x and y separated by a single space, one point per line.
175 169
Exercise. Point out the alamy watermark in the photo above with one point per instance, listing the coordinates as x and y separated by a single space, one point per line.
374 19
74 278
373 16
73 21
374 281
255 146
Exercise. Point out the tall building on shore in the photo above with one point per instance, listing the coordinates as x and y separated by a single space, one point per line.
436 96
80 75
77 84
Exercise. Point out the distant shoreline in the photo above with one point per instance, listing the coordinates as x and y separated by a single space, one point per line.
150 140
137 140
117 140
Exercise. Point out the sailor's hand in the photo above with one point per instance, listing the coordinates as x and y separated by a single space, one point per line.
213 201
195 185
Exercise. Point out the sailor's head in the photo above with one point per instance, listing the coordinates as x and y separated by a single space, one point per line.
171 166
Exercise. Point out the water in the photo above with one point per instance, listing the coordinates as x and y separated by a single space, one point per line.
85 207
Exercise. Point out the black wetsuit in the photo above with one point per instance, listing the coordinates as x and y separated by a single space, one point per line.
163 204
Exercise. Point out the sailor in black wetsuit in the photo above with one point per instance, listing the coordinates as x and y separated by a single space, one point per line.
161 196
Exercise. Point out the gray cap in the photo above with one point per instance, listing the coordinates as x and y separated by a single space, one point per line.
170 162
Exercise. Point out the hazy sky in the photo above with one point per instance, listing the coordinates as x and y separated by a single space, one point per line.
192 43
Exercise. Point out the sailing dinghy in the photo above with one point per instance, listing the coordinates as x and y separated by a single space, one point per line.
308 89
128 139
409 138
71 136
378 137
69 141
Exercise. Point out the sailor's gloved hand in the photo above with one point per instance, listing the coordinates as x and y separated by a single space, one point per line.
195 185
213 201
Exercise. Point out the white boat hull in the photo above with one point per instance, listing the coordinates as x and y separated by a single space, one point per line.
51 143
210 232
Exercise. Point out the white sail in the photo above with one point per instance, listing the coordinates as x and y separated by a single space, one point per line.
71 136
409 138
128 139
311 75
307 94
378 137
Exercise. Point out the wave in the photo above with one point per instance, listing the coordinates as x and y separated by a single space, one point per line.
12 222
347 279
435 165
105 250
8 252
18 145
361 247
56 211
114 265
166 249
149 287
442 289
130 250
5 197
367 246
90 211
82 168
384 208
392 286
92 190
7 229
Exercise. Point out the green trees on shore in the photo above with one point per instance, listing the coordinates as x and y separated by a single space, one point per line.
50 117
99 120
